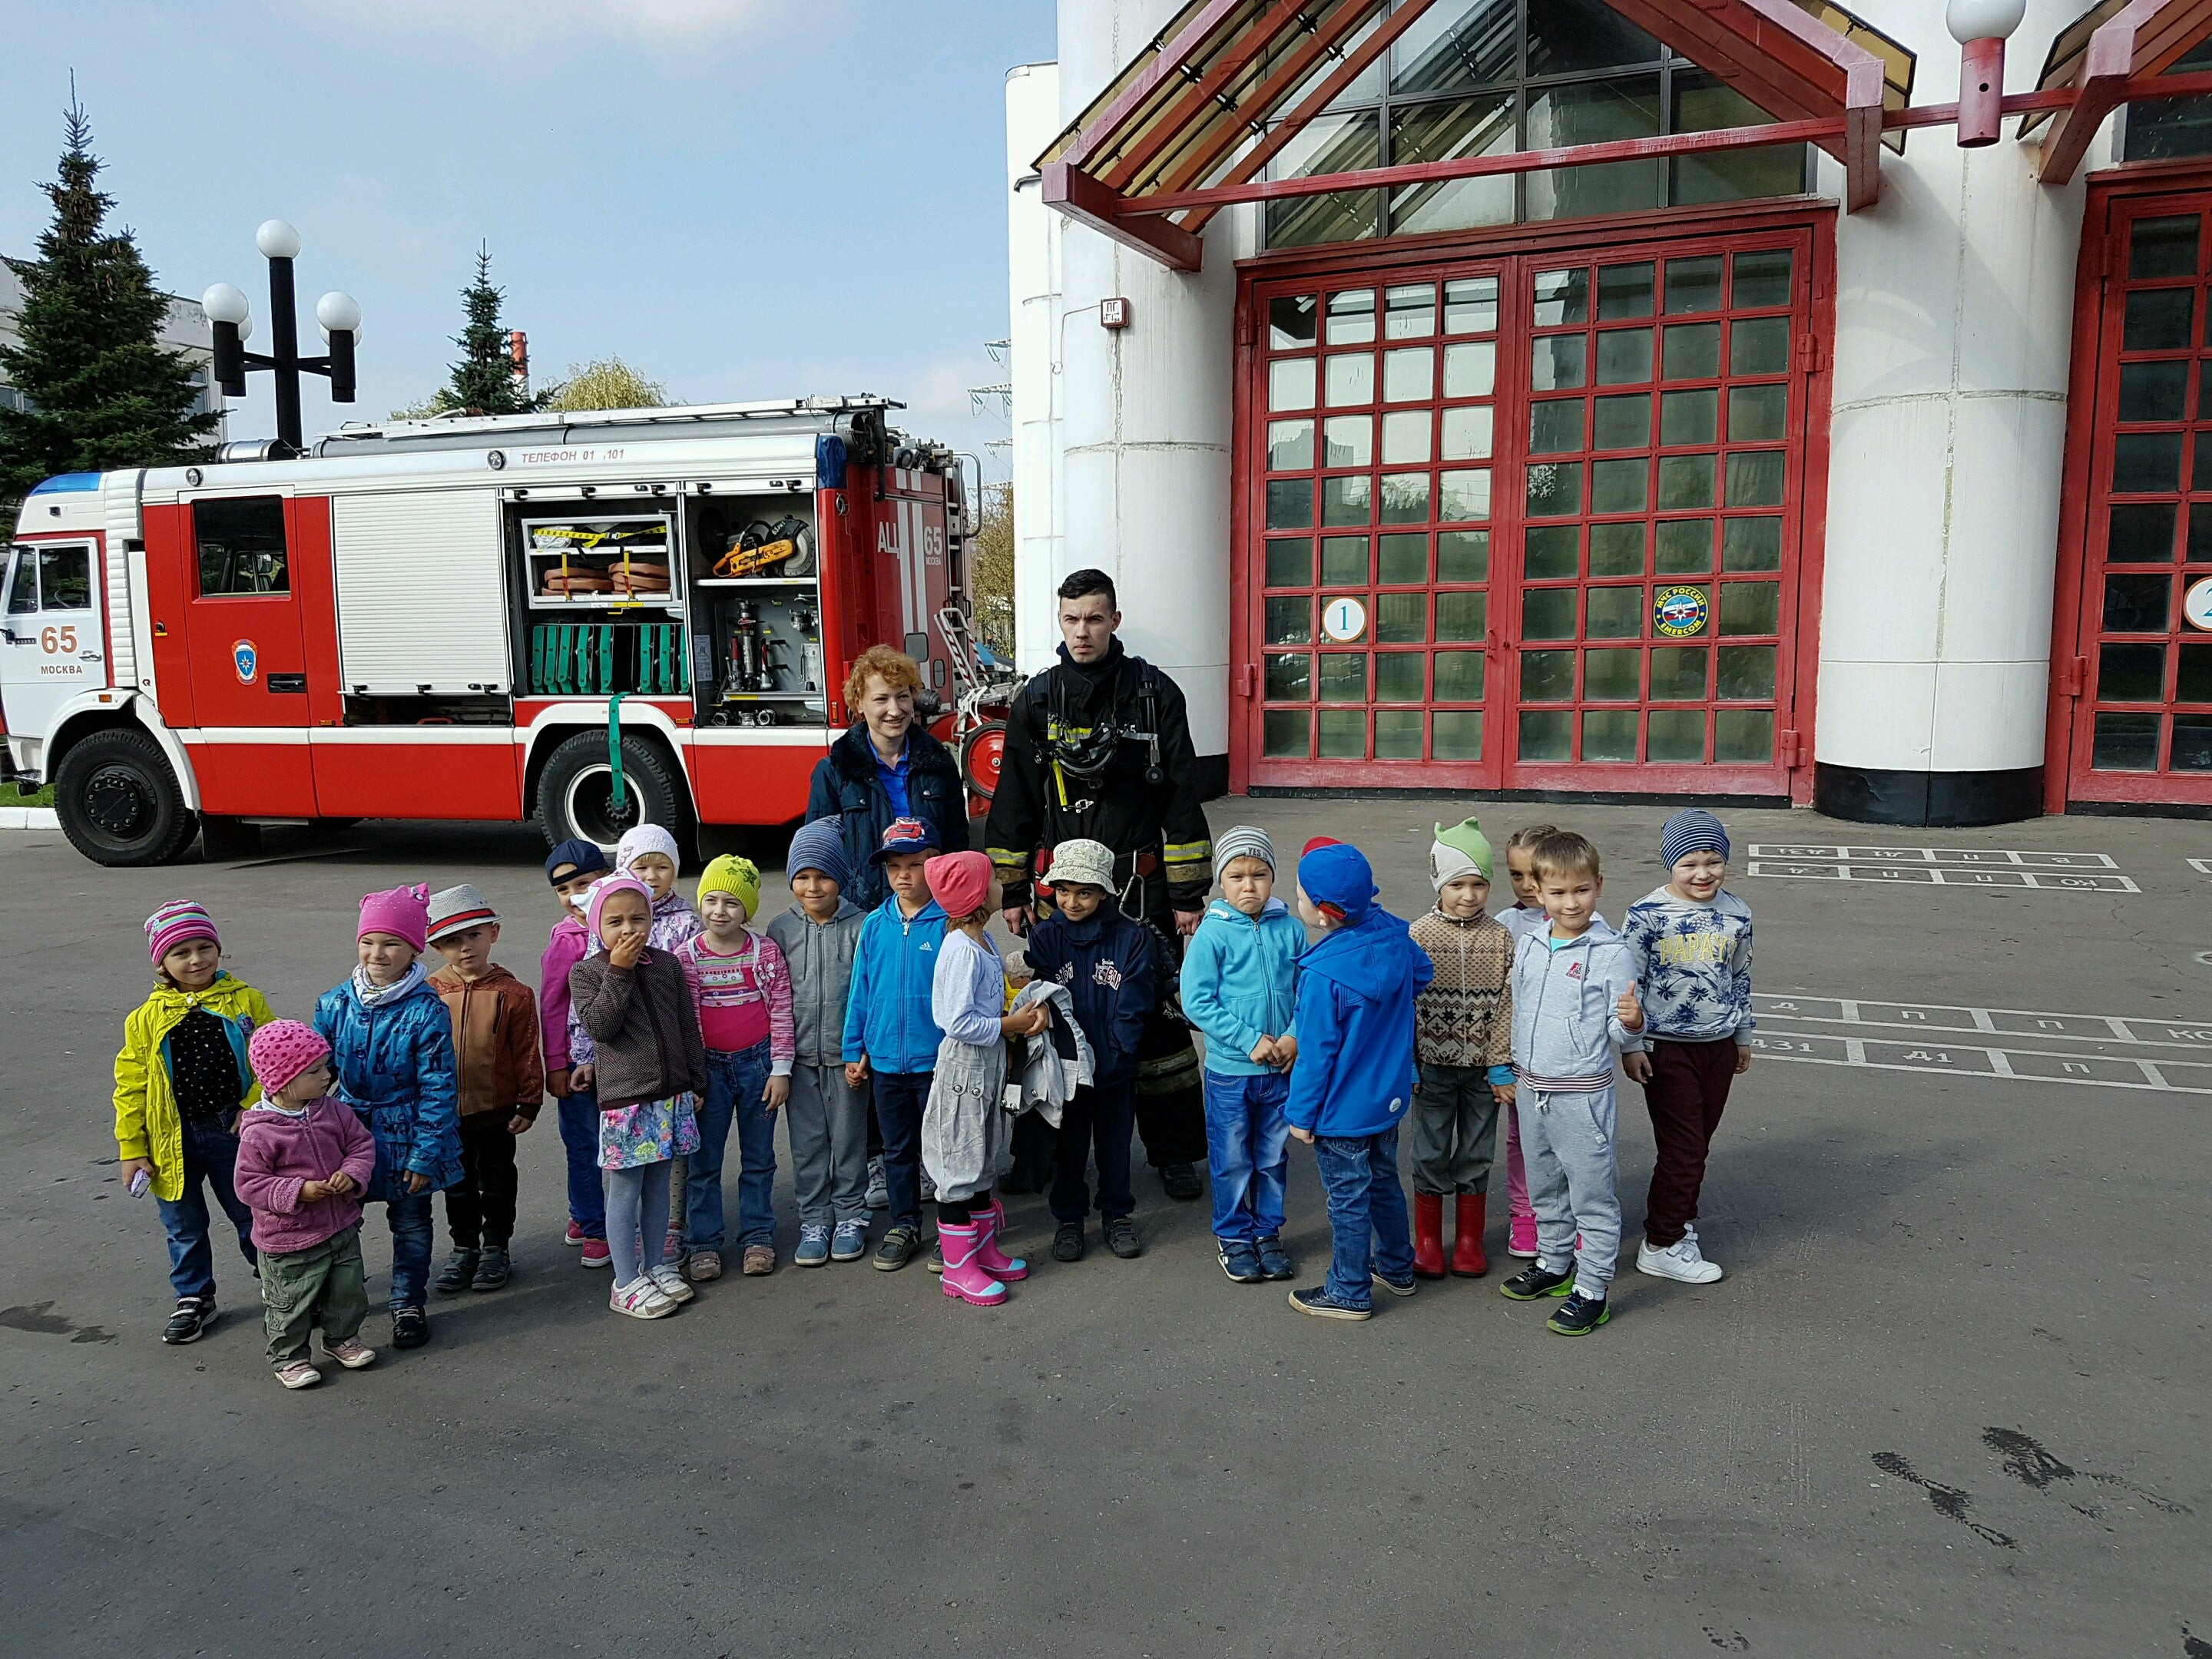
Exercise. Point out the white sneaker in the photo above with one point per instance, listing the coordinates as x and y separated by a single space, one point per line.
1681 1262
670 1283
640 1299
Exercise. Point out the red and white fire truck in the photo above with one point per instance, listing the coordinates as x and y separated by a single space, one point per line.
585 620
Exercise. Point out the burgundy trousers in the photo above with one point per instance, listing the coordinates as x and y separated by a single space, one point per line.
1687 1093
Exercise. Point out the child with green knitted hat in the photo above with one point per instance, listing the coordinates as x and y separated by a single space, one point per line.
1463 1041
741 987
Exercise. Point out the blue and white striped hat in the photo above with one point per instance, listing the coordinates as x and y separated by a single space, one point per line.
1693 829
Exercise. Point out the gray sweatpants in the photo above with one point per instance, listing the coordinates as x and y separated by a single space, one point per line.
1567 1141
826 1124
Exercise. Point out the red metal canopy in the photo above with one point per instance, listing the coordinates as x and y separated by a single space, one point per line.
2112 43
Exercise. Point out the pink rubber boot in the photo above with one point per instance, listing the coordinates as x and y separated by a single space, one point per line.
994 1261
1520 1233
964 1274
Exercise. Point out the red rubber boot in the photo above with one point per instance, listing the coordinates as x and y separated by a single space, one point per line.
1467 1260
1428 1235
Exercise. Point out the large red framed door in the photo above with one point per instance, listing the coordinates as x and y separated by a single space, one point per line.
246 645
1534 521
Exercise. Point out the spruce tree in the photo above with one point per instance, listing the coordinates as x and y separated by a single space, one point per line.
105 393
484 380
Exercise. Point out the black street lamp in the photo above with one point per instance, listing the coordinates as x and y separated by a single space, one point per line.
339 313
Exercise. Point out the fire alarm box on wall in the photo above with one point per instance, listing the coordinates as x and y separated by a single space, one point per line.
1114 313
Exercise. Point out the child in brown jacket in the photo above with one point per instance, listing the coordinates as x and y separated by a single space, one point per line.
502 1082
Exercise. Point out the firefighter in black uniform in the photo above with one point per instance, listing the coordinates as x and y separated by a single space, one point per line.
1098 745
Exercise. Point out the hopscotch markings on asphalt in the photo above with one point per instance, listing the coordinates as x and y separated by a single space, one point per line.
1942 866
2202 866
2039 1047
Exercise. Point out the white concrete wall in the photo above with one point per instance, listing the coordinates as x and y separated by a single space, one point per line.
1033 234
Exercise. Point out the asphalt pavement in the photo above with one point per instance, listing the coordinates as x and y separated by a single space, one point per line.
1950 1398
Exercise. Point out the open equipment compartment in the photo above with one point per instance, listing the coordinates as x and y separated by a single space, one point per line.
610 563
754 577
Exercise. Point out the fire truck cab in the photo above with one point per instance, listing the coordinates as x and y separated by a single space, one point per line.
589 620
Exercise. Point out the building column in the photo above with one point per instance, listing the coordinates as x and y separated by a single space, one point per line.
1033 232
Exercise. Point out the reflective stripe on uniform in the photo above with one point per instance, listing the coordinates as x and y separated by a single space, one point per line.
1187 855
1009 865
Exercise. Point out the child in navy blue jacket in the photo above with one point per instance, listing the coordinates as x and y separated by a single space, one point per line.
1107 962
1353 1081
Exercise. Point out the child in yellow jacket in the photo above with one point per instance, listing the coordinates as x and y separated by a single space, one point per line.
182 1082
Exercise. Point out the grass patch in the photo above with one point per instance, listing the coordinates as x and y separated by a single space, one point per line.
43 798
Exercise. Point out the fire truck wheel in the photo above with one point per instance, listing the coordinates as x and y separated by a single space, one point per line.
119 804
576 792
981 756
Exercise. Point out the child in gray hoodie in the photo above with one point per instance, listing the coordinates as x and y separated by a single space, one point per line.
1574 1005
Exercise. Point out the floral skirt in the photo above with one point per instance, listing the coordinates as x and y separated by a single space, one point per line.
651 1132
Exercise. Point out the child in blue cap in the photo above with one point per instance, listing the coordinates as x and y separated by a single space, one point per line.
1353 1082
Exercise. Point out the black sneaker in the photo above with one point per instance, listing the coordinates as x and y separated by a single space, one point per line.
492 1269
190 1320
454 1277
1121 1237
1275 1261
1535 1281
1322 1305
411 1327
1180 1182
1240 1261
897 1247
1579 1315
1397 1287
1068 1241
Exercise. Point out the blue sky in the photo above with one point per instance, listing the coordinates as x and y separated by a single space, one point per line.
746 198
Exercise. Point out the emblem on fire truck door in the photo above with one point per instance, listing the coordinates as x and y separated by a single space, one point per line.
245 661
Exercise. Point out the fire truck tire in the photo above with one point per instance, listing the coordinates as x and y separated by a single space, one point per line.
982 753
118 802
574 791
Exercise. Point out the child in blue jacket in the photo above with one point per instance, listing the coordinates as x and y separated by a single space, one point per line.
1239 984
1107 962
889 1029
1354 1077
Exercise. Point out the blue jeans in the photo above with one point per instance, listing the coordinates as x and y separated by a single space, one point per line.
900 1097
408 1218
1247 1147
580 1139
209 1156
1369 1232
734 1082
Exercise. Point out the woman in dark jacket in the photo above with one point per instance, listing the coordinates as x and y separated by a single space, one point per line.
887 766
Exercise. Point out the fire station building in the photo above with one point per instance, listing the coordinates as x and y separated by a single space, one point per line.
1752 399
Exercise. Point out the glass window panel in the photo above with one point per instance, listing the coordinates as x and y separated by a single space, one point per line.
1467 432
1685 481
2137 604
1546 735
1289 621
1290 562
2168 129
1291 321
1594 111
1686 547
1344 562
2125 742
1343 735
1402 676
1555 427
1463 495
1351 377
1562 296
1455 735
2193 680
1405 558
1409 374
1556 361
1759 413
1548 676
1678 672
2131 673
1624 356
1609 734
1745 672
2201 468
1289 677
1555 489
1458 676
249 549
1482 124
1689 417
1397 734
1343 677
1614 613
2200 530
2162 247
1620 486
1406 437
1401 619
2156 391
1617 550
1463 556
1693 286
1759 346
1702 103
1612 675
1465 616
1763 277
1287 733
1289 504
1348 440
1599 187
1471 368
2192 744
1744 736
1568 35
1677 736
1548 613
1622 423
1347 501
1352 317
1693 351
1409 311
2158 319
1551 552
1757 477
1290 383
1751 607
1750 544
2146 461
1624 291
1470 308
1290 446
1405 498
